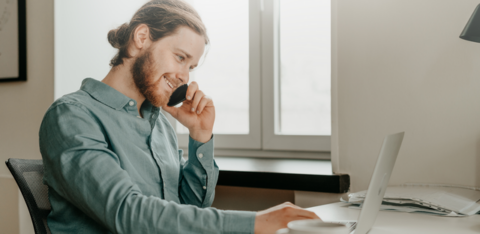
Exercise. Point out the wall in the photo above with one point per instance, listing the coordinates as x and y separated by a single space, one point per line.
401 66
22 107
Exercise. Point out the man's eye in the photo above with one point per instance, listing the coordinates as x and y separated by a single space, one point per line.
181 57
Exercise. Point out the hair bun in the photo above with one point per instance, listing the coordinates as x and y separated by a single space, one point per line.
116 37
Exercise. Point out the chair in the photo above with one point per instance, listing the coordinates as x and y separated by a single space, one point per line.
29 174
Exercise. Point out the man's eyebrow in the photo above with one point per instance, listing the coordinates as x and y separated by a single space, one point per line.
183 51
188 56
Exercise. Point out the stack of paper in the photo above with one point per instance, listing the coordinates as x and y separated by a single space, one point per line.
433 199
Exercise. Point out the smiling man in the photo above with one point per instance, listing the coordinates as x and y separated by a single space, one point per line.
111 158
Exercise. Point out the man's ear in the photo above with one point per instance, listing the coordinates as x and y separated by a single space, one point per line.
141 37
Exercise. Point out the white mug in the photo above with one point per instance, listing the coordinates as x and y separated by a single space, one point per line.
314 227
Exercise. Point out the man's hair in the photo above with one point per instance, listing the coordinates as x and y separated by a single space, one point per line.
163 18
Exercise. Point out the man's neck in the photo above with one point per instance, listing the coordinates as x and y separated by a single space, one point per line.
120 78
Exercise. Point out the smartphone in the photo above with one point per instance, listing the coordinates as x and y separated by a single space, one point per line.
179 95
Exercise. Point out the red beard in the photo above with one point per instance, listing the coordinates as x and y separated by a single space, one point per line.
142 70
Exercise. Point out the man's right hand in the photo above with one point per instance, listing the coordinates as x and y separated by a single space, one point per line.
277 217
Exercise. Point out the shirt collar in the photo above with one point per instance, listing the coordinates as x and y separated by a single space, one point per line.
105 94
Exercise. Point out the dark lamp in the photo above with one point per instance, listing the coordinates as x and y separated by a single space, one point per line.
471 32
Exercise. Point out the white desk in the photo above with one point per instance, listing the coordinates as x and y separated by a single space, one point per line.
389 222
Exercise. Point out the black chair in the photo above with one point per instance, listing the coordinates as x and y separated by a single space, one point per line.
29 174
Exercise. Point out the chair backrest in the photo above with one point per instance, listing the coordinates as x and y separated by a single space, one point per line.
29 175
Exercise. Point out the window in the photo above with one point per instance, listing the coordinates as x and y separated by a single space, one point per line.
279 99
303 67
298 36
267 69
223 74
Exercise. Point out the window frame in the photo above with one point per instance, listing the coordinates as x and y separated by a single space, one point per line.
263 96
270 94
252 140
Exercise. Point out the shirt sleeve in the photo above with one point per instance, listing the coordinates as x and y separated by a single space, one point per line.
81 168
199 174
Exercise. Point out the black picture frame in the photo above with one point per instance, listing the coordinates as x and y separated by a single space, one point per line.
22 44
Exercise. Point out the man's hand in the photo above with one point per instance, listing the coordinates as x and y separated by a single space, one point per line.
197 113
277 217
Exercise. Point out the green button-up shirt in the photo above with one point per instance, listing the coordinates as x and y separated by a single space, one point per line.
111 171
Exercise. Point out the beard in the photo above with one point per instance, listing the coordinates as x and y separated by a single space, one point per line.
142 72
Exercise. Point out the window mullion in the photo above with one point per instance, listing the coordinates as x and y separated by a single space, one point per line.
255 67
268 73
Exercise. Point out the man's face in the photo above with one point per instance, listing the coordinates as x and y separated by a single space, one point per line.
166 64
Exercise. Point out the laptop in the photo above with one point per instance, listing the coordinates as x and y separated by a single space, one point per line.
378 185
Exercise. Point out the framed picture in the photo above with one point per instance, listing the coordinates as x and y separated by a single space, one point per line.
13 40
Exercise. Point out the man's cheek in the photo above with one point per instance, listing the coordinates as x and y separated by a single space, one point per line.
156 82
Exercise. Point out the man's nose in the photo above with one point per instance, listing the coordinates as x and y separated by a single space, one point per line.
184 76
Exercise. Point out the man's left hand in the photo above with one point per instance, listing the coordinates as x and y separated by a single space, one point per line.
197 113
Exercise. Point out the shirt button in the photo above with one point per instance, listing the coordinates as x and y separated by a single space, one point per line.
204 187
200 155
131 103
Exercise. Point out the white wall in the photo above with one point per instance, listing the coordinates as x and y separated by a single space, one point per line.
402 67
22 106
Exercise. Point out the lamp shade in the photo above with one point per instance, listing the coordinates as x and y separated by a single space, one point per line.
471 32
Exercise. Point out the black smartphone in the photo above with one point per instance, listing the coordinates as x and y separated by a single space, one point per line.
179 95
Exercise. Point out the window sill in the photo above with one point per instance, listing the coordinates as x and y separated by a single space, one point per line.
263 154
288 174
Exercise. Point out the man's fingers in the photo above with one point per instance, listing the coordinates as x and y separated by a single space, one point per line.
296 211
203 103
291 205
287 205
308 214
196 100
192 88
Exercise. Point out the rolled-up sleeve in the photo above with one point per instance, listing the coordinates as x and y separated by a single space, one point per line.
81 168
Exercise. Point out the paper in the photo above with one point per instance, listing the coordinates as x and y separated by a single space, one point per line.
430 198
409 209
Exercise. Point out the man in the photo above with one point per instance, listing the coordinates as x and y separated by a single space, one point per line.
111 158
